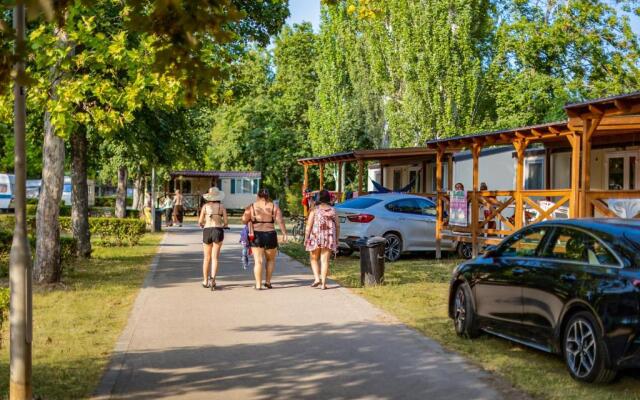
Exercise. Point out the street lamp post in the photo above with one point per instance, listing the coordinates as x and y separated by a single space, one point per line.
20 259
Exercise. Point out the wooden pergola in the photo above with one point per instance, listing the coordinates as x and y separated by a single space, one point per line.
385 157
613 121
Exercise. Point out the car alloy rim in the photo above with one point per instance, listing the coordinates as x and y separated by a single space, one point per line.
466 250
460 310
581 348
393 248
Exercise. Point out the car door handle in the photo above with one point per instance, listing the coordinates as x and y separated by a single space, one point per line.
568 278
519 271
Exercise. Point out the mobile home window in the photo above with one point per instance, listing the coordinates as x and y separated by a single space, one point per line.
534 173
4 188
244 186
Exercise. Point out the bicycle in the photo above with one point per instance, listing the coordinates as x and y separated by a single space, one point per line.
298 228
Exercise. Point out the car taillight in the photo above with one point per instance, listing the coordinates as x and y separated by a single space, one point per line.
636 283
361 218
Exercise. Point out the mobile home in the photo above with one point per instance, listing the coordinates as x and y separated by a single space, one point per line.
240 187
7 183
67 189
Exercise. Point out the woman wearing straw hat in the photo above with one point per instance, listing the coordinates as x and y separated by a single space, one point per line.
213 218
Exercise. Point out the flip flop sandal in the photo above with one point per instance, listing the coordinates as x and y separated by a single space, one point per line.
268 285
315 284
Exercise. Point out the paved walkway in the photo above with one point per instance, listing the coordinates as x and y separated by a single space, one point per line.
291 342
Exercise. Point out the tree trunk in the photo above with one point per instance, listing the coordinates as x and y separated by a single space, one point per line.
80 194
121 194
48 267
138 192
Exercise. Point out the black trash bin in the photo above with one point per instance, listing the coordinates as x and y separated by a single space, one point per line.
157 223
371 260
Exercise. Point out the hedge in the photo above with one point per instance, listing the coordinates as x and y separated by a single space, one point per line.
65 211
4 308
110 201
111 231
67 249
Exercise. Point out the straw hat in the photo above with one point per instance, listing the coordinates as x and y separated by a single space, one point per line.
214 194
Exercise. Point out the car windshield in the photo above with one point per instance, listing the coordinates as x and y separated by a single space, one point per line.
360 203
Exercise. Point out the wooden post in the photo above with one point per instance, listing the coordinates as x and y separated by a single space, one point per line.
590 126
450 172
423 181
360 175
475 210
339 181
520 147
321 176
574 140
381 173
439 211
305 184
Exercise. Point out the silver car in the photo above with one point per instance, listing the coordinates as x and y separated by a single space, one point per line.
408 222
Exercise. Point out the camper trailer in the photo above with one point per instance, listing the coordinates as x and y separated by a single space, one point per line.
7 183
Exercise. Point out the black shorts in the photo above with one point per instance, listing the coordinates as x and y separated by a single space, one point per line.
267 240
212 235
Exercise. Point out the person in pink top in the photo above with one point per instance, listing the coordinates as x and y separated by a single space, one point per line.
321 237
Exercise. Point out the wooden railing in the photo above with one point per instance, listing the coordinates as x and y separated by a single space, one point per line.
537 205
600 203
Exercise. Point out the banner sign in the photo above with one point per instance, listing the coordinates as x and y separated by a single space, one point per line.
458 208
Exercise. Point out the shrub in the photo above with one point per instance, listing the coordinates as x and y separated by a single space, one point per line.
106 202
65 211
4 308
67 249
111 231
32 201
110 201
8 222
32 209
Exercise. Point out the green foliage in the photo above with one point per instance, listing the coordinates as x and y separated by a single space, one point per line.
266 127
105 202
190 41
395 73
111 231
8 222
4 307
67 249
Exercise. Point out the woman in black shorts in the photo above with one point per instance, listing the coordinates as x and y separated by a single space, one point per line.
213 218
263 215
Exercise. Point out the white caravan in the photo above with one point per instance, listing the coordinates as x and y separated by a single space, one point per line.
7 183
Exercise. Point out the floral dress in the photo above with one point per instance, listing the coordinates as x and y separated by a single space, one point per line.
323 231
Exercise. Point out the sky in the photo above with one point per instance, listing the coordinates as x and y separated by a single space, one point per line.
309 10
304 10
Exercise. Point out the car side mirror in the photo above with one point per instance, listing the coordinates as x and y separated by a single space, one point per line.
491 251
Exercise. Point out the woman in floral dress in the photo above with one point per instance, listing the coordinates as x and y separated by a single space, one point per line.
321 237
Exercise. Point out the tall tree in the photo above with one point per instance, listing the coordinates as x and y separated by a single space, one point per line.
266 125
555 51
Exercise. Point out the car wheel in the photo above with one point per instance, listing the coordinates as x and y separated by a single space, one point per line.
393 248
464 250
585 353
464 317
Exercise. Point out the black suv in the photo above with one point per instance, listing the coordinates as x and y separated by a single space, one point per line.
570 287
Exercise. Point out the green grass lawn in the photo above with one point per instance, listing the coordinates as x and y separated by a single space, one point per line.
416 291
77 322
